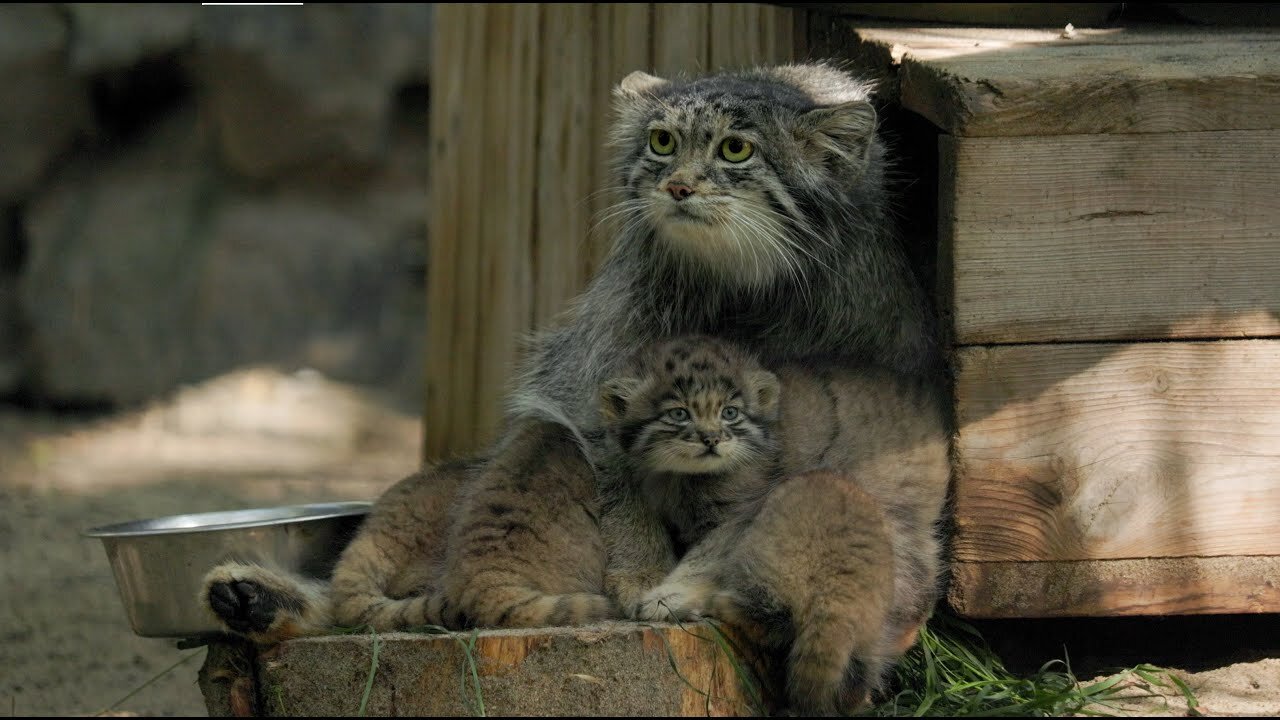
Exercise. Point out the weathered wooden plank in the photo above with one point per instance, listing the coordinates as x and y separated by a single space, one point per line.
622 46
504 314
564 181
1149 586
1112 237
736 35
744 35
485 132
780 39
841 41
681 38
1000 82
1101 451
957 41
453 279
626 669
1036 14
1079 90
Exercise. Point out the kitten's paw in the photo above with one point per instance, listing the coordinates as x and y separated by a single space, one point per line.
672 602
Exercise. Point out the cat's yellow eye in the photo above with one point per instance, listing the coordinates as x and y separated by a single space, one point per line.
662 142
735 150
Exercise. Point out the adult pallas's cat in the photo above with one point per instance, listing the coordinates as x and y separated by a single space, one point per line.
754 209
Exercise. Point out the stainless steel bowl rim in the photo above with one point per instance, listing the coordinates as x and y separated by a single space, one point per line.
230 519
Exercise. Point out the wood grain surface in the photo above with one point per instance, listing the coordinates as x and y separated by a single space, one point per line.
1101 451
983 82
1112 237
1148 586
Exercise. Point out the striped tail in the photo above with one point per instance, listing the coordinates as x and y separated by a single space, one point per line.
514 606
383 613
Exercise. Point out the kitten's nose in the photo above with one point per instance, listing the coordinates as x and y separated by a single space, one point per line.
679 191
711 439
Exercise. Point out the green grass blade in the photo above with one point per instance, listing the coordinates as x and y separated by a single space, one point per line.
746 679
468 649
953 672
1193 704
675 667
280 708
373 670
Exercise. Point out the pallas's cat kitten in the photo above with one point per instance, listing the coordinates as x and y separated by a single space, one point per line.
690 430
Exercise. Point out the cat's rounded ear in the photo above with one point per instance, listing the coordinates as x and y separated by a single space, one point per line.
632 100
639 83
844 131
766 388
615 395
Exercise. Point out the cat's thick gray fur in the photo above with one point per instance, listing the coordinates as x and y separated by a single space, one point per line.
854 299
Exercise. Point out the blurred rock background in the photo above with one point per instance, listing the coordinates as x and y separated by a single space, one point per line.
212 261
188 190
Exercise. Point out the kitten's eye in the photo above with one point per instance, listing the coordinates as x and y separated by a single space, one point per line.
662 142
678 415
729 414
735 149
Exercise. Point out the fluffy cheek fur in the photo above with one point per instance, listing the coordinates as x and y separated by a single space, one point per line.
726 234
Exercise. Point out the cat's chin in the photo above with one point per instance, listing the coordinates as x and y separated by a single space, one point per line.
712 248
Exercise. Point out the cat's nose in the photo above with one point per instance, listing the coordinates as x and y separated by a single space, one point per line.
711 439
679 191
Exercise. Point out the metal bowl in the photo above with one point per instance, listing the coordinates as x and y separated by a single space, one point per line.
159 563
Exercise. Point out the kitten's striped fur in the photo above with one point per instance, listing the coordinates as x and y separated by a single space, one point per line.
835 570
839 567
690 448
466 544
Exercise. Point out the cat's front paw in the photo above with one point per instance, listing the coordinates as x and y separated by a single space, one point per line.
255 602
672 602
628 589
243 606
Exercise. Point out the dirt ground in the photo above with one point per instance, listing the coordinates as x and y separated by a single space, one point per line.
251 439
258 438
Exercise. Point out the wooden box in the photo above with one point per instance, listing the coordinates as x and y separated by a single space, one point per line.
1109 257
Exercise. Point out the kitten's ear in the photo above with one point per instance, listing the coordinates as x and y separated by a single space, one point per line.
639 83
766 388
615 395
843 130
